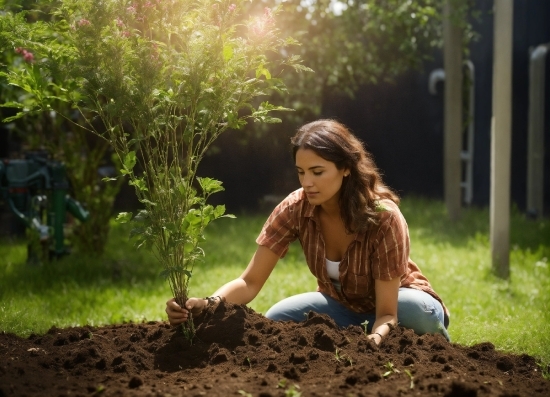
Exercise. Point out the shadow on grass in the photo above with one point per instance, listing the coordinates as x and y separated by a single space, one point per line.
120 265
123 265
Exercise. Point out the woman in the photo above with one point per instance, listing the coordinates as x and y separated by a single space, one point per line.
354 238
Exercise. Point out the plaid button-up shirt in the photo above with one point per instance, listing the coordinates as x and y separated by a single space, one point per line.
382 252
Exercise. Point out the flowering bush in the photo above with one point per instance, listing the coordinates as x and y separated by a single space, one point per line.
160 81
38 131
27 55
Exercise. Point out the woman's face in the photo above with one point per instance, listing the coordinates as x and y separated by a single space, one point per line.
320 178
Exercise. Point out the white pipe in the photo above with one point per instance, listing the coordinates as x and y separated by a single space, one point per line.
436 76
467 155
469 152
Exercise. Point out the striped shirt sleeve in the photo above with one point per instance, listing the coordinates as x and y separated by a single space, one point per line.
390 256
279 230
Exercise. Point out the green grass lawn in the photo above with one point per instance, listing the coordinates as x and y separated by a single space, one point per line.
124 284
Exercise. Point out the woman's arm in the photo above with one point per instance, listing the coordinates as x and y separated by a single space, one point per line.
241 290
386 308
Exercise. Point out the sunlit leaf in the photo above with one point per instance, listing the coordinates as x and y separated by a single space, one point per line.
227 52
124 217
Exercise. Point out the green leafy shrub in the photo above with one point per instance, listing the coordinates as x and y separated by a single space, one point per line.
159 81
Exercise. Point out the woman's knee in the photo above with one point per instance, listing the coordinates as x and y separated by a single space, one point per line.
280 312
293 308
297 307
421 312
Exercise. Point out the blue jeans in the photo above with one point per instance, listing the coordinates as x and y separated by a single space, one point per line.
416 310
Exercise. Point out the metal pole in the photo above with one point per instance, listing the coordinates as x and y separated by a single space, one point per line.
535 145
58 207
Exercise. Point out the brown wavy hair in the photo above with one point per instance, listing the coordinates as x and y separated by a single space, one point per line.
364 186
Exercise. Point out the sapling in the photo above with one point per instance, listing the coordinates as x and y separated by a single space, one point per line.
411 377
160 82
364 324
282 383
390 369
339 357
293 391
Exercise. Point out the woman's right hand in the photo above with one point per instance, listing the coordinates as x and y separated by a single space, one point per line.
241 290
177 314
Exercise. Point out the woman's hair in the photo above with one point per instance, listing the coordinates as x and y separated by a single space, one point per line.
363 187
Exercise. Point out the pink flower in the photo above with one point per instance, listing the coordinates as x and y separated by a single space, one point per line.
28 56
84 22
119 22
125 33
231 8
132 10
148 4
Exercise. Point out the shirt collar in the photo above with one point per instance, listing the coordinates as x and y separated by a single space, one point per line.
309 212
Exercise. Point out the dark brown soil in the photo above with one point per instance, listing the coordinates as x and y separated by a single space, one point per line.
239 352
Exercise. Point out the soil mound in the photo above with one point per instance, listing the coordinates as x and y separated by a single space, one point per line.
239 352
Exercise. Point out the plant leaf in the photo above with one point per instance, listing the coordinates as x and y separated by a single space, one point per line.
124 217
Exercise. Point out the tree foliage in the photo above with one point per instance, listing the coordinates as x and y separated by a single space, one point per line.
159 81
353 43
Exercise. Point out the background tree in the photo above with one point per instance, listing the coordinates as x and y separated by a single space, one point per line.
351 46
87 158
352 43
159 82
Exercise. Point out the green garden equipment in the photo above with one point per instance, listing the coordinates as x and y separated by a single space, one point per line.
36 191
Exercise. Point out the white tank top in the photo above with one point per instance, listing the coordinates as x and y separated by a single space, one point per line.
332 269
334 273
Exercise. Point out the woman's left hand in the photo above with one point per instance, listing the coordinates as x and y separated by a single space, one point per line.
375 338
373 341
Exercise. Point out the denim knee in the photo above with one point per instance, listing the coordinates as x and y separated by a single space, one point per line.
293 308
421 312
416 310
296 308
